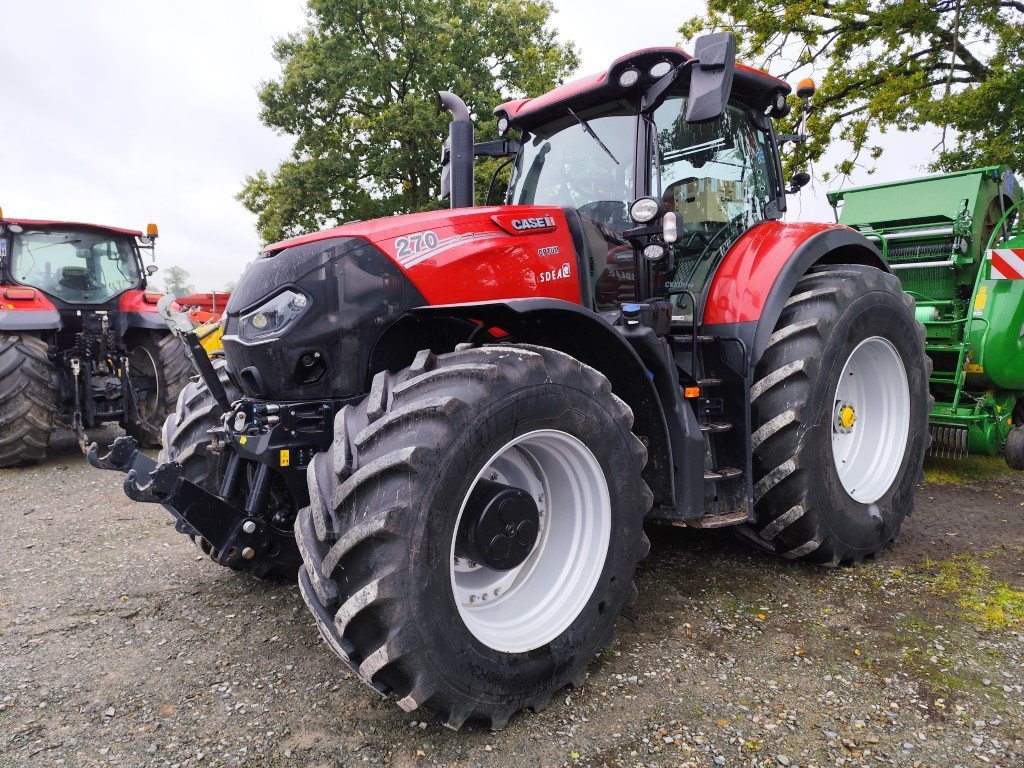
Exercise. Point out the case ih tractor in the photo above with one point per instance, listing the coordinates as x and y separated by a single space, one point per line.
464 438
955 241
81 342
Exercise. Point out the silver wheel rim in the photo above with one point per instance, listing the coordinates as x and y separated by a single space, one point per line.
529 606
869 451
152 401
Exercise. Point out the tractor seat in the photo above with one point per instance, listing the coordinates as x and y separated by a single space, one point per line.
76 278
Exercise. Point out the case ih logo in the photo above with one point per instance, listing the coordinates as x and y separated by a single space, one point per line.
521 225
539 222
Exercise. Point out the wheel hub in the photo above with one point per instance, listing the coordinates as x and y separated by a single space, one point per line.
845 417
499 526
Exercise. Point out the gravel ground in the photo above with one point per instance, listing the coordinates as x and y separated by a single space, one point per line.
121 646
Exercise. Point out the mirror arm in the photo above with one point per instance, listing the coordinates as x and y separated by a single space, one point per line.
654 95
499 148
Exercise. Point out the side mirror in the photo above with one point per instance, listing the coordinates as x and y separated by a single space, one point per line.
798 182
151 269
711 78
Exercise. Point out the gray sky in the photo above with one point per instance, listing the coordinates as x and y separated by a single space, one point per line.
128 112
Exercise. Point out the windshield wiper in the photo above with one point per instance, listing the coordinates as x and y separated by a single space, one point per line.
590 132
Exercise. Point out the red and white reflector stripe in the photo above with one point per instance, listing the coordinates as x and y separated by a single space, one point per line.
1007 263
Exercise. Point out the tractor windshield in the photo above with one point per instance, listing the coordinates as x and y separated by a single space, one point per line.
75 266
563 164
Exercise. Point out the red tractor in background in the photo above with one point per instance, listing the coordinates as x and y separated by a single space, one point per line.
81 342
462 419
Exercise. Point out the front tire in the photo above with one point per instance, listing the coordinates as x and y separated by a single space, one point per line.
386 573
839 418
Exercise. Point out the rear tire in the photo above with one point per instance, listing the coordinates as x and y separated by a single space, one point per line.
826 491
28 399
386 501
166 354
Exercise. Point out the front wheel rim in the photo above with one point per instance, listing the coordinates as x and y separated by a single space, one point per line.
870 419
530 605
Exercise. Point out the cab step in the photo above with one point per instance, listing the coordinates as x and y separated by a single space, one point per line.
715 427
709 382
725 473
718 521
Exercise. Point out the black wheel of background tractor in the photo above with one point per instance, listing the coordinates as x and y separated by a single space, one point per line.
839 418
1013 451
28 399
185 438
161 359
473 532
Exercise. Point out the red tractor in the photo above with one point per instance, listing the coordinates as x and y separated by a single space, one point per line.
81 342
462 419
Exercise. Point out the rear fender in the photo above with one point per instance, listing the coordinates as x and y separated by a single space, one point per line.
139 310
27 314
757 276
556 324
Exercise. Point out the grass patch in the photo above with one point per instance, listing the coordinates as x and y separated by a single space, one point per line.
985 602
968 470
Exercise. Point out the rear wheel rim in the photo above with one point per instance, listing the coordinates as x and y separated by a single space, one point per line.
868 452
530 605
142 361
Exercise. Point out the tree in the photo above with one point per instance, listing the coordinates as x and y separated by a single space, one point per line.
954 64
357 92
176 282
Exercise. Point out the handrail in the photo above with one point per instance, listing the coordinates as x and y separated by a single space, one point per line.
999 225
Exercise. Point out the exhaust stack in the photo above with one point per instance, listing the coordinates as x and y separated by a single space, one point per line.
457 158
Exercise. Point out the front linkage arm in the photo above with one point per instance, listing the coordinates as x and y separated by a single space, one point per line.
235 536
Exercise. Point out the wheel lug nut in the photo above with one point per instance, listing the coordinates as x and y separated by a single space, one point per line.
472 598
494 476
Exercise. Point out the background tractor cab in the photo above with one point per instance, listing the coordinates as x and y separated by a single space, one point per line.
79 330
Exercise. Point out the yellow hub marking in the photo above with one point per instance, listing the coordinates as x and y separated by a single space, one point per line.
847 417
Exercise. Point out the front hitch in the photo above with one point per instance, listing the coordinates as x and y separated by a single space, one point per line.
238 539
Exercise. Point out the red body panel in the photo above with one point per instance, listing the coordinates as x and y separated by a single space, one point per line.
474 254
49 223
135 301
35 304
746 275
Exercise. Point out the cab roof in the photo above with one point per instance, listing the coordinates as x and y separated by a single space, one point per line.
750 85
75 224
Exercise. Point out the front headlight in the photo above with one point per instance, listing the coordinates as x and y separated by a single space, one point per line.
272 318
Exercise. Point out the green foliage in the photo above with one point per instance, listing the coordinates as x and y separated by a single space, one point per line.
176 282
357 92
955 64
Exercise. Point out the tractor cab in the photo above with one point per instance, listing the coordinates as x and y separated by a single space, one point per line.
595 146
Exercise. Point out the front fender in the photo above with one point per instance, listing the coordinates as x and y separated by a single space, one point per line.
757 276
584 335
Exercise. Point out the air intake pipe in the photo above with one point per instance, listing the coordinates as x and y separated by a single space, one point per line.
457 158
